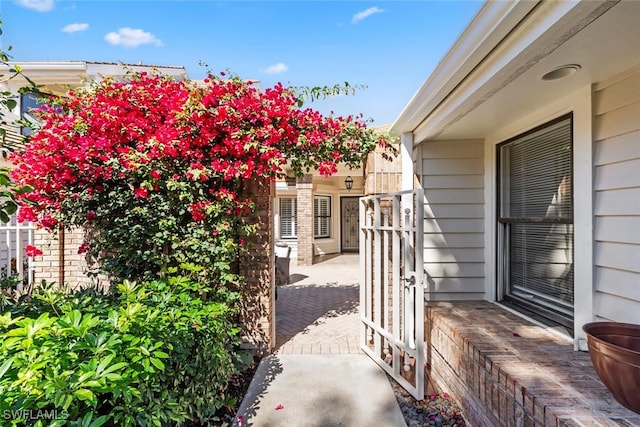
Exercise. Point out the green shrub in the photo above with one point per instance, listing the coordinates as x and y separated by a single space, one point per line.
156 353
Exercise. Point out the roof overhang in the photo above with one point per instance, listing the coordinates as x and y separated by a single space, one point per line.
59 76
493 72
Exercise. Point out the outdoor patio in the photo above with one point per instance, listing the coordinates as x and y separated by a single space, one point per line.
317 312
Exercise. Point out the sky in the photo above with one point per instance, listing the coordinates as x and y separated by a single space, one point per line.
386 48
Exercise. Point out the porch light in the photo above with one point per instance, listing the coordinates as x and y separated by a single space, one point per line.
348 183
561 72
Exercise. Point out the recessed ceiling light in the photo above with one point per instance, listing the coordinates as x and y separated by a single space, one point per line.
561 72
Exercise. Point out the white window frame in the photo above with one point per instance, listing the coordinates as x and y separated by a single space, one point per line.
580 104
323 219
290 216
540 303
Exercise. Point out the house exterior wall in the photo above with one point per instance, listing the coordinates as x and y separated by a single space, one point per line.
452 177
380 173
616 109
334 188
305 246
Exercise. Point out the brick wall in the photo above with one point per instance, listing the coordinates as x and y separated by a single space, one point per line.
505 371
68 267
257 267
304 187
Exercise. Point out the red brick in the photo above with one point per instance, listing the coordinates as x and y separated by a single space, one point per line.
532 379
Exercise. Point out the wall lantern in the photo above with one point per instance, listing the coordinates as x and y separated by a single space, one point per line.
348 183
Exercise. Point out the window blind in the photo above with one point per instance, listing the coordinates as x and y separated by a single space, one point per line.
537 175
536 214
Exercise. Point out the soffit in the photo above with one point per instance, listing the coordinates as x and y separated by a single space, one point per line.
604 47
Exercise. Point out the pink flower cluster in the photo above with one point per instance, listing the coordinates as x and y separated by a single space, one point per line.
152 129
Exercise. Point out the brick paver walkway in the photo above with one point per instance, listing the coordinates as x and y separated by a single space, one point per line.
317 313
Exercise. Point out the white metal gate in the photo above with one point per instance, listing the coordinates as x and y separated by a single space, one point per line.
391 285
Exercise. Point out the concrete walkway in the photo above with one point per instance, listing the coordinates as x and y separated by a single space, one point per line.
317 376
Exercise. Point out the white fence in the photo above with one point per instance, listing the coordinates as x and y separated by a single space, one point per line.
14 262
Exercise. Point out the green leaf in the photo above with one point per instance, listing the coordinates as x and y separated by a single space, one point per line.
99 421
84 377
157 363
5 367
113 377
4 178
10 207
114 367
23 190
103 363
85 395
87 419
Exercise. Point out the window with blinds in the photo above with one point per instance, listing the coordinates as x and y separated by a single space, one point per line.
536 221
288 214
322 216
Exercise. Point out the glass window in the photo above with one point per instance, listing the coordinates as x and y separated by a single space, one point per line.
28 102
322 216
288 214
536 221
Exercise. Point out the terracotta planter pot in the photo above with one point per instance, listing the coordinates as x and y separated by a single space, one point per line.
615 353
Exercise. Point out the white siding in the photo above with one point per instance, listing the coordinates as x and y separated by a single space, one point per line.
617 198
452 178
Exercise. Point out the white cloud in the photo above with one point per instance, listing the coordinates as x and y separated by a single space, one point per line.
74 28
278 68
365 14
131 37
37 5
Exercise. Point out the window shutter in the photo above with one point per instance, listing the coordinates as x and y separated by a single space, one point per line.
288 217
322 216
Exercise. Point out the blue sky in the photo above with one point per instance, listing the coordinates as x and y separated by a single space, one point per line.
390 47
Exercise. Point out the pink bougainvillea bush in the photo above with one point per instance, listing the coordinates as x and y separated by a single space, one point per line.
152 166
153 169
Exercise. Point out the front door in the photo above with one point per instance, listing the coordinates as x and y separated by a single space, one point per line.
349 224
